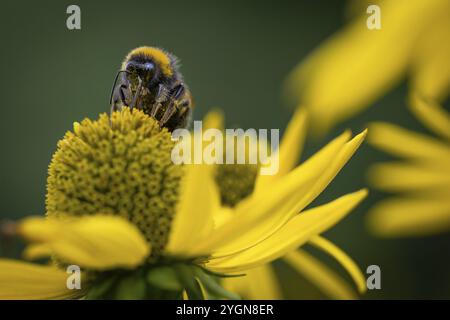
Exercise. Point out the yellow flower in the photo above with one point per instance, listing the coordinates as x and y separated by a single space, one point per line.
120 209
422 178
356 66
237 182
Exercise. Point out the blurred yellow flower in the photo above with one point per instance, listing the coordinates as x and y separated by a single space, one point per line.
422 178
120 209
354 67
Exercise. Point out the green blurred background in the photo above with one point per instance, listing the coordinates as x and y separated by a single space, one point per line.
235 55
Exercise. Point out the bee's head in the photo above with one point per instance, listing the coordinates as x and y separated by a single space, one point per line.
149 64
147 71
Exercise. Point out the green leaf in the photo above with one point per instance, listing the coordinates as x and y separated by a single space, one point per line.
213 287
186 275
131 288
164 278
99 290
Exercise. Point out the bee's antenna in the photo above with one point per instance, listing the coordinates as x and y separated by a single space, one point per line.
114 84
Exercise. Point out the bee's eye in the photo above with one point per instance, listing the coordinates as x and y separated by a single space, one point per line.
149 66
145 71
131 67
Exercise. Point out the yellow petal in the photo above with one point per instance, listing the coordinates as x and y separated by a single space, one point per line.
272 205
297 201
326 280
258 284
37 251
346 74
408 144
223 215
399 176
19 280
213 120
431 64
349 265
99 241
399 217
295 233
338 163
290 149
286 204
199 202
431 115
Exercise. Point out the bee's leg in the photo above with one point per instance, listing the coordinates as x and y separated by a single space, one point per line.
184 115
136 95
171 109
182 118
173 105
120 94
161 96
120 97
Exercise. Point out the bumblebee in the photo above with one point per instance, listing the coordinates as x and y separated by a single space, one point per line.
150 80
